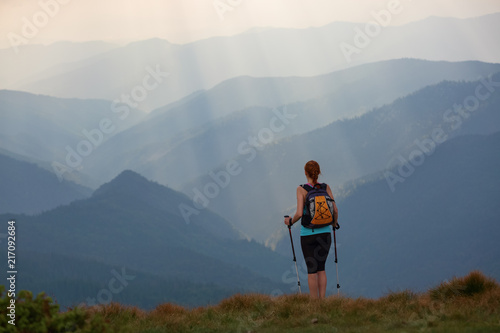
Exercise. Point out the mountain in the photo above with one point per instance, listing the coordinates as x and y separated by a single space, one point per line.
241 92
138 224
31 60
193 136
271 52
349 149
55 130
28 189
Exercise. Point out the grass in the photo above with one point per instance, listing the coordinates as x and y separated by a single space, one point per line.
467 304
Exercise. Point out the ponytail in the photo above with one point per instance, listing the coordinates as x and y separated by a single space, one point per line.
312 170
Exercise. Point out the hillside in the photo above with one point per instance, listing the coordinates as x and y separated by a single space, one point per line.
28 189
135 223
469 303
463 304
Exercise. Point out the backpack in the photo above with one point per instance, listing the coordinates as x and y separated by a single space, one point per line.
318 208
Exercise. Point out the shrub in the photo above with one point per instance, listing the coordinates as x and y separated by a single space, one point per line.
472 284
41 315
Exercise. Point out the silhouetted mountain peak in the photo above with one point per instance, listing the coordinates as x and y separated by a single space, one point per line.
128 182
129 175
132 190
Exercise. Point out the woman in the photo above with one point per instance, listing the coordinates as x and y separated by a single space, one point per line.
316 242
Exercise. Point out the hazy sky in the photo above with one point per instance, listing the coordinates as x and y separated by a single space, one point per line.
182 21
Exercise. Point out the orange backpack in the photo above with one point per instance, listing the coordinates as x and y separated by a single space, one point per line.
318 208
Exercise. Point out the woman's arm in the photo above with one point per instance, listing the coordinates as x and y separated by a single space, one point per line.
301 197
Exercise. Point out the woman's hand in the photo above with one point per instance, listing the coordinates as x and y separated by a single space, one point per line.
288 220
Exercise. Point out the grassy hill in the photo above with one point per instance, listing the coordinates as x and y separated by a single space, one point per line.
466 304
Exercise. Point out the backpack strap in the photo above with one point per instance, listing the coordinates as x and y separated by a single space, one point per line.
307 187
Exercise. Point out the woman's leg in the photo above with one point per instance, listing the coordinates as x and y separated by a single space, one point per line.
312 280
315 249
308 244
324 241
321 284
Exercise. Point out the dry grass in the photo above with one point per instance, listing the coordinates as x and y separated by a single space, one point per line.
474 283
467 304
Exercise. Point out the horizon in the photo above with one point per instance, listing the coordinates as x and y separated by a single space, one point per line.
63 21
122 43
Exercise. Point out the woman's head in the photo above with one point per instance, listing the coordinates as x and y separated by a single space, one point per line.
312 170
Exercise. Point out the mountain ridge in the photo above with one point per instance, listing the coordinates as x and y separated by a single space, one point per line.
61 132
177 137
121 225
363 145
26 188
285 51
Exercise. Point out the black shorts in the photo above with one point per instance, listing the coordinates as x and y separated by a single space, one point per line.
315 249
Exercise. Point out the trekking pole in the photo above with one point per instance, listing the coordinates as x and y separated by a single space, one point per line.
293 251
336 261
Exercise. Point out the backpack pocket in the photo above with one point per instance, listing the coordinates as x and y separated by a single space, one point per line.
321 210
